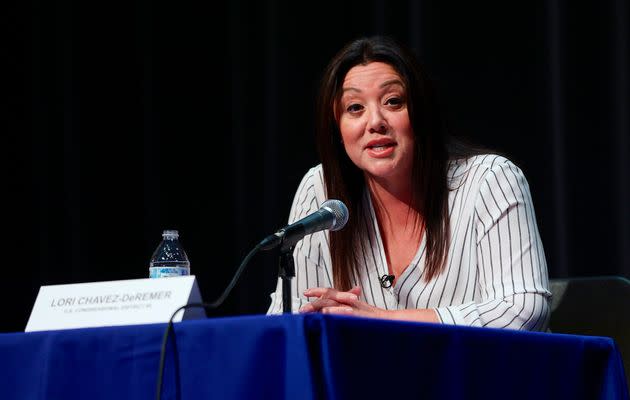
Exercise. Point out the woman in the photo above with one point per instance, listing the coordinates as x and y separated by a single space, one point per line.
437 232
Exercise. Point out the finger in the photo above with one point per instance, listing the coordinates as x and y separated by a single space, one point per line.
318 304
344 310
307 308
328 293
317 292
356 290
345 297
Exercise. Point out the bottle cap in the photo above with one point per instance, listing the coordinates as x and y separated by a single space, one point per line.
170 234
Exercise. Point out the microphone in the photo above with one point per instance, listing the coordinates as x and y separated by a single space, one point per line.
387 281
332 214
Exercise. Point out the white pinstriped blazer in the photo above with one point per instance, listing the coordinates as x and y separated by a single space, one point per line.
495 275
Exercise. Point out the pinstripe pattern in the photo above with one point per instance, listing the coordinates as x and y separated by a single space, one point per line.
495 274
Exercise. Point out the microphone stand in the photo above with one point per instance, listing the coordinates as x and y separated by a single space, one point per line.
287 272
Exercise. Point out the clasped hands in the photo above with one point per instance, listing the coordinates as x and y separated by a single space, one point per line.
332 301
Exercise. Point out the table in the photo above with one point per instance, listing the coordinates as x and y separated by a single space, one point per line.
310 356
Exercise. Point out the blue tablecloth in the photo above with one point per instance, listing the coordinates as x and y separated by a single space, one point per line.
309 357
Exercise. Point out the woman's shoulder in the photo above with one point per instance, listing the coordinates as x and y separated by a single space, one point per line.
483 162
313 179
479 167
316 171
310 193
486 160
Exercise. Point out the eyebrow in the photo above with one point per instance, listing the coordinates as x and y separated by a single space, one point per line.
382 85
391 82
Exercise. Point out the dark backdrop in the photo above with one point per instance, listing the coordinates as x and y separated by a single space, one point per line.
122 120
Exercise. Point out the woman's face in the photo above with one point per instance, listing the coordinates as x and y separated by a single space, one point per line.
374 122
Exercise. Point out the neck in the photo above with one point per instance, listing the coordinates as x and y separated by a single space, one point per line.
393 204
389 191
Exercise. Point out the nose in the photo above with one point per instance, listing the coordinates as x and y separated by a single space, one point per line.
377 122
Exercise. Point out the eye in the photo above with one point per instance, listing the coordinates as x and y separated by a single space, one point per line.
354 108
395 102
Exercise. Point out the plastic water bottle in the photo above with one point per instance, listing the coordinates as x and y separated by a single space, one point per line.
169 259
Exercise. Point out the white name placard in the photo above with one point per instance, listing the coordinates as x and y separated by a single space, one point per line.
124 302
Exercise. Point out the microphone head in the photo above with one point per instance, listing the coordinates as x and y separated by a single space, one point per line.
339 210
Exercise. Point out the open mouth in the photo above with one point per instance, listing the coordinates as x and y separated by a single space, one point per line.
381 147
381 150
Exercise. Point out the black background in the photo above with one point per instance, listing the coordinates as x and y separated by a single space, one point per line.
124 119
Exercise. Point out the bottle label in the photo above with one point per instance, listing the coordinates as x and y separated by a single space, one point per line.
164 272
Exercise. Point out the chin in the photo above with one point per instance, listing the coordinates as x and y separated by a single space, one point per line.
385 169
381 171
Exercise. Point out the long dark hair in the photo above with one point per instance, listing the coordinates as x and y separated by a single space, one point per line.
344 181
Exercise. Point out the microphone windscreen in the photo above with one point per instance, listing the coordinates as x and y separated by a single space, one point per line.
339 210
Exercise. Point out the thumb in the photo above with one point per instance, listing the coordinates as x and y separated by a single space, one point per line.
356 290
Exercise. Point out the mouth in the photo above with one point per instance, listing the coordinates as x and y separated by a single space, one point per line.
380 144
380 149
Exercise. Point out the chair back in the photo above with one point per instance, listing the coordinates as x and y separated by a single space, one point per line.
596 306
